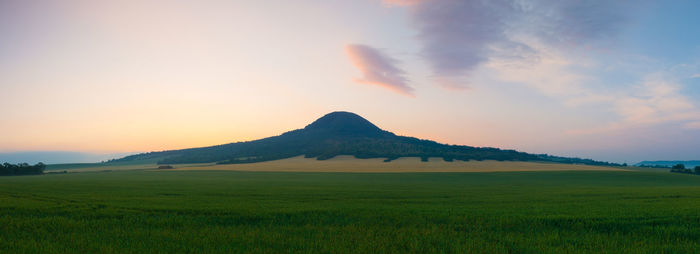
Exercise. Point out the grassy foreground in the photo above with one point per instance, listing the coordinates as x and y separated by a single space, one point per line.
228 211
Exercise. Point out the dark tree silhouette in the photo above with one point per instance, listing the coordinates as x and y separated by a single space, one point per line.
678 166
7 169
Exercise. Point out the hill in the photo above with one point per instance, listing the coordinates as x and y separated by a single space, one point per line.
341 133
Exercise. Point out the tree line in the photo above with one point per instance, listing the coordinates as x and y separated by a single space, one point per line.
680 168
7 169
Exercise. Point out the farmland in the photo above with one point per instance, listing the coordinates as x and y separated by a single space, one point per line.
138 211
347 164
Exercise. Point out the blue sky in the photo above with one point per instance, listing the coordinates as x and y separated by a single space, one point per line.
609 80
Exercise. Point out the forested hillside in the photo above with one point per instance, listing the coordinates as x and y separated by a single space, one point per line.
341 133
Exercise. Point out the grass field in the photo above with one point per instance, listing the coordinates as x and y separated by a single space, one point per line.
231 211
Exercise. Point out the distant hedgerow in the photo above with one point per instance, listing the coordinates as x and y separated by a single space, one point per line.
7 169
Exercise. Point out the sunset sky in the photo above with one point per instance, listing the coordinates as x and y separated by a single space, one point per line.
609 80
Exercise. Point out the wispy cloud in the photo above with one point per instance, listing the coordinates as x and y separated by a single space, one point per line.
657 100
692 125
378 68
546 45
404 2
457 36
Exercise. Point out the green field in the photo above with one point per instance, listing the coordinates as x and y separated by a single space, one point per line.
229 211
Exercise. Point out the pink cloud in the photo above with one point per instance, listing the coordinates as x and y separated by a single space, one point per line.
378 68
404 2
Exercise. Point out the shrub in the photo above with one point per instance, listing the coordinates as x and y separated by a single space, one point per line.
678 166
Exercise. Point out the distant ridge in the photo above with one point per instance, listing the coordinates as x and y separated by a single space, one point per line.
55 157
668 164
342 133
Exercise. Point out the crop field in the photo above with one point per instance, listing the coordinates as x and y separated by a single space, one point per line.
347 164
174 211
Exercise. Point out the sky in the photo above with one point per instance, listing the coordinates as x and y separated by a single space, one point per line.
609 80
